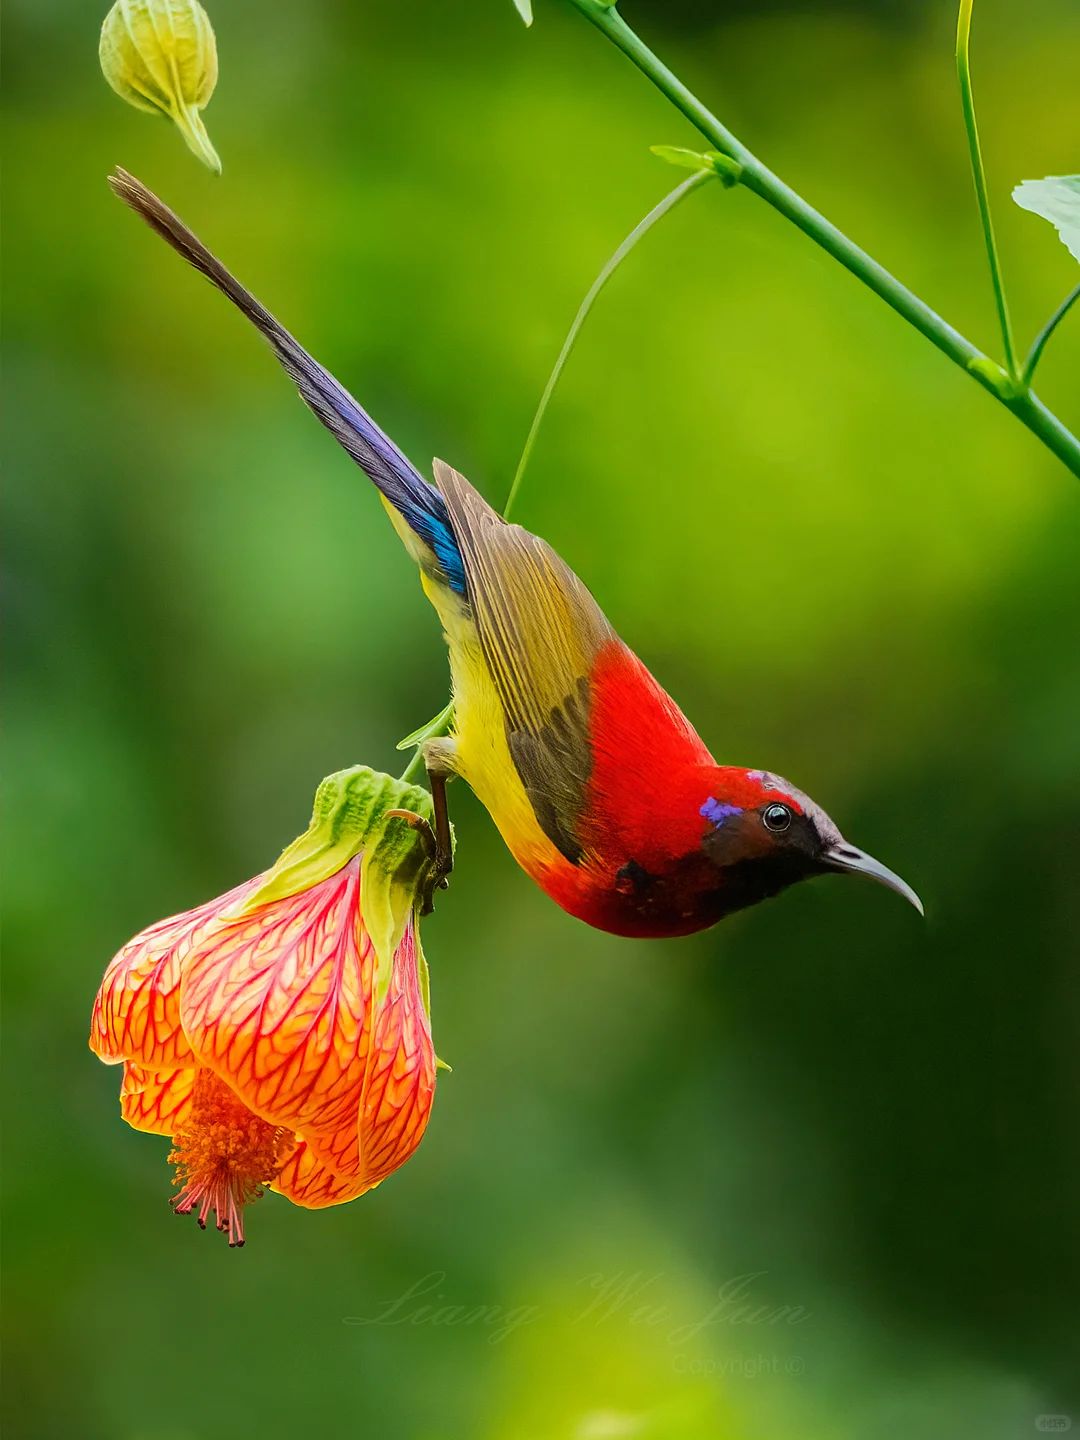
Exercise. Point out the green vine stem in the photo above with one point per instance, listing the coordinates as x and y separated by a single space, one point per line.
1035 353
978 173
657 213
1010 386
1012 393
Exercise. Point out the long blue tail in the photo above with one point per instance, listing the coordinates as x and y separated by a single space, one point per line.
419 503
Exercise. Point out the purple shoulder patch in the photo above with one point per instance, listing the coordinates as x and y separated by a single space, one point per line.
718 812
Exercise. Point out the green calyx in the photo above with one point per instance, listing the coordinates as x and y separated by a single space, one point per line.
350 818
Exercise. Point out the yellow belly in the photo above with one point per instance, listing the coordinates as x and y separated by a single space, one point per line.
482 755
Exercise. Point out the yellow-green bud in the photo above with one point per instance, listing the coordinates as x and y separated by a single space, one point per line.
161 55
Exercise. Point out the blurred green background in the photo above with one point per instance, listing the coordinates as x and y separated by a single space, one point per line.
842 557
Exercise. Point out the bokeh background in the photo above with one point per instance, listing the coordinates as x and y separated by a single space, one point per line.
841 556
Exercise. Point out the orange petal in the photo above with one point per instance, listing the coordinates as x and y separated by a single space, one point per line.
276 1002
307 1180
400 1085
156 1100
137 1010
398 1089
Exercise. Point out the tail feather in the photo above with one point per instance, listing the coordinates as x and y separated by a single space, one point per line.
418 502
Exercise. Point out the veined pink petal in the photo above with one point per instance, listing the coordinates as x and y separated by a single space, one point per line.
396 1102
137 1010
400 1084
397 1091
307 1180
158 1101
277 1003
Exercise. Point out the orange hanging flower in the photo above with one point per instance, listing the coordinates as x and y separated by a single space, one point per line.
280 1033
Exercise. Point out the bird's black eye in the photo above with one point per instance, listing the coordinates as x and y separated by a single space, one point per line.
776 817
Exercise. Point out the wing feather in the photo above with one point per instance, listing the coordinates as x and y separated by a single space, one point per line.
541 631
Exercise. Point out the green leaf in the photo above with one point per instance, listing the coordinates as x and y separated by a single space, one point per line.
676 155
1057 199
729 171
524 9
432 727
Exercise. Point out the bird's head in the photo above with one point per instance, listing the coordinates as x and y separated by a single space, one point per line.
764 835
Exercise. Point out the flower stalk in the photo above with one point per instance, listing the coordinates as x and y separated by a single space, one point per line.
658 212
1039 343
978 173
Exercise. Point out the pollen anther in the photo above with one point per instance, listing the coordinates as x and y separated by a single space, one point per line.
224 1156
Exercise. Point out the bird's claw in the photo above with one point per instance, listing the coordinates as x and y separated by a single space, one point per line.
420 825
439 862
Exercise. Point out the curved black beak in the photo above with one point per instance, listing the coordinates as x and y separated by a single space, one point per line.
843 856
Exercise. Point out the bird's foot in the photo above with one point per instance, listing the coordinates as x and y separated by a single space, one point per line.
440 860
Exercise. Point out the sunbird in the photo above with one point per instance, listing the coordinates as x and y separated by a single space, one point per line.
600 786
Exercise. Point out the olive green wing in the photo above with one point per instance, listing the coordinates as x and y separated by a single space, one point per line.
540 630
